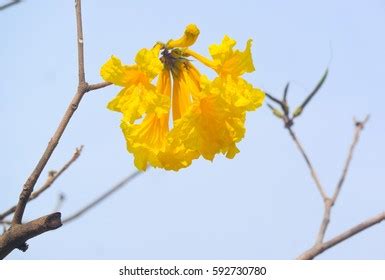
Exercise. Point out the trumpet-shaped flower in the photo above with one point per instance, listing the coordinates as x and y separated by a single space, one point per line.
139 95
183 115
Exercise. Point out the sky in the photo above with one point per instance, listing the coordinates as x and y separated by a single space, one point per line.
260 205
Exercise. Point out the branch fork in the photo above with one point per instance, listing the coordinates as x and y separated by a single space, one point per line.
18 233
329 201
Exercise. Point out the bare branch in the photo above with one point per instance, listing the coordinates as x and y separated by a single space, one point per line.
359 126
309 164
18 234
97 86
52 176
80 41
320 248
101 197
325 221
11 3
274 99
82 87
319 245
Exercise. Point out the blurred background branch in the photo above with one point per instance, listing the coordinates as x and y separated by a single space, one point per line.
101 198
9 4
52 176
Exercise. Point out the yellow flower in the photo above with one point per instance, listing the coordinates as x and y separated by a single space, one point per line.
207 117
226 61
138 96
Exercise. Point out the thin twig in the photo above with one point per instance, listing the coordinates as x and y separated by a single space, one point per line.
102 197
11 3
309 164
97 86
272 98
359 126
52 176
317 250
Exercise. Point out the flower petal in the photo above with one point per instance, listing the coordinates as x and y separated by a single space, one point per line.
146 140
209 126
181 95
136 100
177 156
235 63
148 61
115 72
237 92
189 37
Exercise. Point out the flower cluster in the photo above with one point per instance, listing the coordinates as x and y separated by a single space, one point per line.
172 114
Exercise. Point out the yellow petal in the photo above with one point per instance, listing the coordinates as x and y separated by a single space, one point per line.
177 156
209 126
148 62
232 151
115 72
146 140
136 100
181 96
192 77
189 37
221 52
143 97
230 62
237 92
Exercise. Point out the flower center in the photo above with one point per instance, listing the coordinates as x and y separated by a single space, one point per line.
172 58
178 65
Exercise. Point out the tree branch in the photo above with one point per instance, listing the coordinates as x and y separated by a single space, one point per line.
320 248
309 164
52 176
102 197
329 203
80 41
82 89
359 126
18 234
97 86
11 3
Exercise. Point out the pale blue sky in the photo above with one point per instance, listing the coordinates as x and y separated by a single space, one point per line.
261 205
